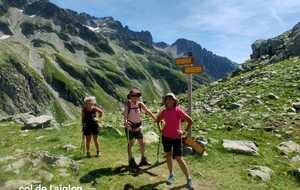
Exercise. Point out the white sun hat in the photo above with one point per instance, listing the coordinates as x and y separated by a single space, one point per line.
91 99
172 95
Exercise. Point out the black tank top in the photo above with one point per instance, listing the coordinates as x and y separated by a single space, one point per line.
90 118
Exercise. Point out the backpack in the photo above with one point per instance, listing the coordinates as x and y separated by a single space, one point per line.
197 146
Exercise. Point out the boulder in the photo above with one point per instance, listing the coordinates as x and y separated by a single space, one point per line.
6 118
16 184
272 96
19 150
69 147
291 110
289 147
17 165
207 109
151 137
262 172
295 172
214 101
110 130
39 137
202 132
42 121
63 172
22 117
233 106
297 106
19 118
269 128
54 161
241 146
46 176
6 158
295 159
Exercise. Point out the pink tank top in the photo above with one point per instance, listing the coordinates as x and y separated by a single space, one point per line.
134 114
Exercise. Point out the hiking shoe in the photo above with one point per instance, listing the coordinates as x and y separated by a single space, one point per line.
189 184
144 162
88 154
98 153
132 164
170 179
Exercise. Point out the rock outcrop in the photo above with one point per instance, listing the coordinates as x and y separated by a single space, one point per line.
278 48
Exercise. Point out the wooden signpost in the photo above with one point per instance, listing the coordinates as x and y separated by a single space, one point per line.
184 60
189 69
192 69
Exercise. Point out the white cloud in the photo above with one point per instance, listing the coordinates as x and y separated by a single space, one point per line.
247 18
236 20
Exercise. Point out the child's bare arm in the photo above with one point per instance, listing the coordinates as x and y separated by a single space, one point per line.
147 111
189 120
99 110
159 121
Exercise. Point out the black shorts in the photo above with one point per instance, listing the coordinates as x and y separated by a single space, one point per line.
91 130
134 134
174 145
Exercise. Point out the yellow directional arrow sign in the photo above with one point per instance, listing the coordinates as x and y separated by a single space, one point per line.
184 61
192 69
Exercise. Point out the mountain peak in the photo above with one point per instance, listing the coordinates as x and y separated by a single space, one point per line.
216 66
114 29
22 3
162 45
185 42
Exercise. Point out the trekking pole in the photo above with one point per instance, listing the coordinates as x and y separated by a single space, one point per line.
158 147
82 146
158 150
127 131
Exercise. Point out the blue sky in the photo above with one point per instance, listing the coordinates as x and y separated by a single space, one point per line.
226 27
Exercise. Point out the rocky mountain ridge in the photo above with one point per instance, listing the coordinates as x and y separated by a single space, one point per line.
52 57
216 66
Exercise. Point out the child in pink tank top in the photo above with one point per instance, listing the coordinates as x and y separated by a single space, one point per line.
133 122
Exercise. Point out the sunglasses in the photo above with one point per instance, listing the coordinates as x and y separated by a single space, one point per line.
135 95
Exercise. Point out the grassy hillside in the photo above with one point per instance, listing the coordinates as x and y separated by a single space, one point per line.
265 96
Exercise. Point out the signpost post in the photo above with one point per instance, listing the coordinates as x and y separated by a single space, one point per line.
189 69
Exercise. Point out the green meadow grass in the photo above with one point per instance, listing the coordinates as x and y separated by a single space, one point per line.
218 170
